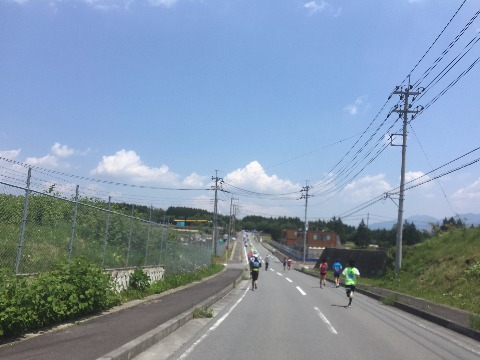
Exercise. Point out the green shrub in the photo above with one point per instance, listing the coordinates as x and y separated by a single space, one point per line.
139 280
474 271
69 292
199 313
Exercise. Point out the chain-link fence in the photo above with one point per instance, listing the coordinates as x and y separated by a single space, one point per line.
40 230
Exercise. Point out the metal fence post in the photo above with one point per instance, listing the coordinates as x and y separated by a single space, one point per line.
24 222
148 236
104 250
161 242
130 236
74 223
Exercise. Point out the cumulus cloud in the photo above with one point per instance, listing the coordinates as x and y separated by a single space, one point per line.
195 181
468 193
127 164
366 188
357 105
165 3
62 151
413 178
253 176
10 154
103 5
58 152
315 6
48 161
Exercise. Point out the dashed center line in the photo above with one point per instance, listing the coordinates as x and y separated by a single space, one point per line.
325 320
301 291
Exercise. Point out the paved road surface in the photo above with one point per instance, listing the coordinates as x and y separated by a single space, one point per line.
290 317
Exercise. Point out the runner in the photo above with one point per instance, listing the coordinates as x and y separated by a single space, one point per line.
323 273
289 263
255 266
351 274
267 260
337 269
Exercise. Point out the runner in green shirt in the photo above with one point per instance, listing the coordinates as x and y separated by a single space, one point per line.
351 274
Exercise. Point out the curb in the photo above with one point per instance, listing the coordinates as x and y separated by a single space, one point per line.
142 343
446 323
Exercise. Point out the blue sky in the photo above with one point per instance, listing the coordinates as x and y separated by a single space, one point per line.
274 95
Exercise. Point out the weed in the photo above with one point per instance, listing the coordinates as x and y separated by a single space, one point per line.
199 313
475 322
139 280
389 300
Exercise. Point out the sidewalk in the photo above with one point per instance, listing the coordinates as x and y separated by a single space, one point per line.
126 331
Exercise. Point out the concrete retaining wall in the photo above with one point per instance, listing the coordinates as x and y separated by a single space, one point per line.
121 277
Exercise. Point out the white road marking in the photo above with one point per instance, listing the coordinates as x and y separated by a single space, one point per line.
301 291
288 279
214 326
279 274
325 320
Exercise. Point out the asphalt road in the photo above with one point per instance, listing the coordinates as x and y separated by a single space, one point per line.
290 317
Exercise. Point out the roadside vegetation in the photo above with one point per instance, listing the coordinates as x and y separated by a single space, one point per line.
73 291
444 269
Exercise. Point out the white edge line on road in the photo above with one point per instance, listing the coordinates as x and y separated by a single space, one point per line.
325 320
213 327
301 291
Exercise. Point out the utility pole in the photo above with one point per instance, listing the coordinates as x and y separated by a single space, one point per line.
404 93
305 227
215 212
231 225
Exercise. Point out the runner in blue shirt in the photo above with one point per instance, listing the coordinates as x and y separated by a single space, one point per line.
337 269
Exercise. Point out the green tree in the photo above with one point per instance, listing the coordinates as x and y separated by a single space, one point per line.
362 235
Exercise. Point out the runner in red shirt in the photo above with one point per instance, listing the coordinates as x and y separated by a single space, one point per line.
323 273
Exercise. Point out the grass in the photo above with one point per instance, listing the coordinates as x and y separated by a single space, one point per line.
202 313
389 300
171 282
443 269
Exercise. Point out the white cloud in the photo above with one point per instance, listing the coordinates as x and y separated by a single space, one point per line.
49 161
358 104
10 154
194 180
413 178
53 159
338 13
366 188
315 6
127 164
165 3
253 176
470 192
62 151
103 5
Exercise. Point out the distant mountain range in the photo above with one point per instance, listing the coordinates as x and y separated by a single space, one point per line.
422 222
